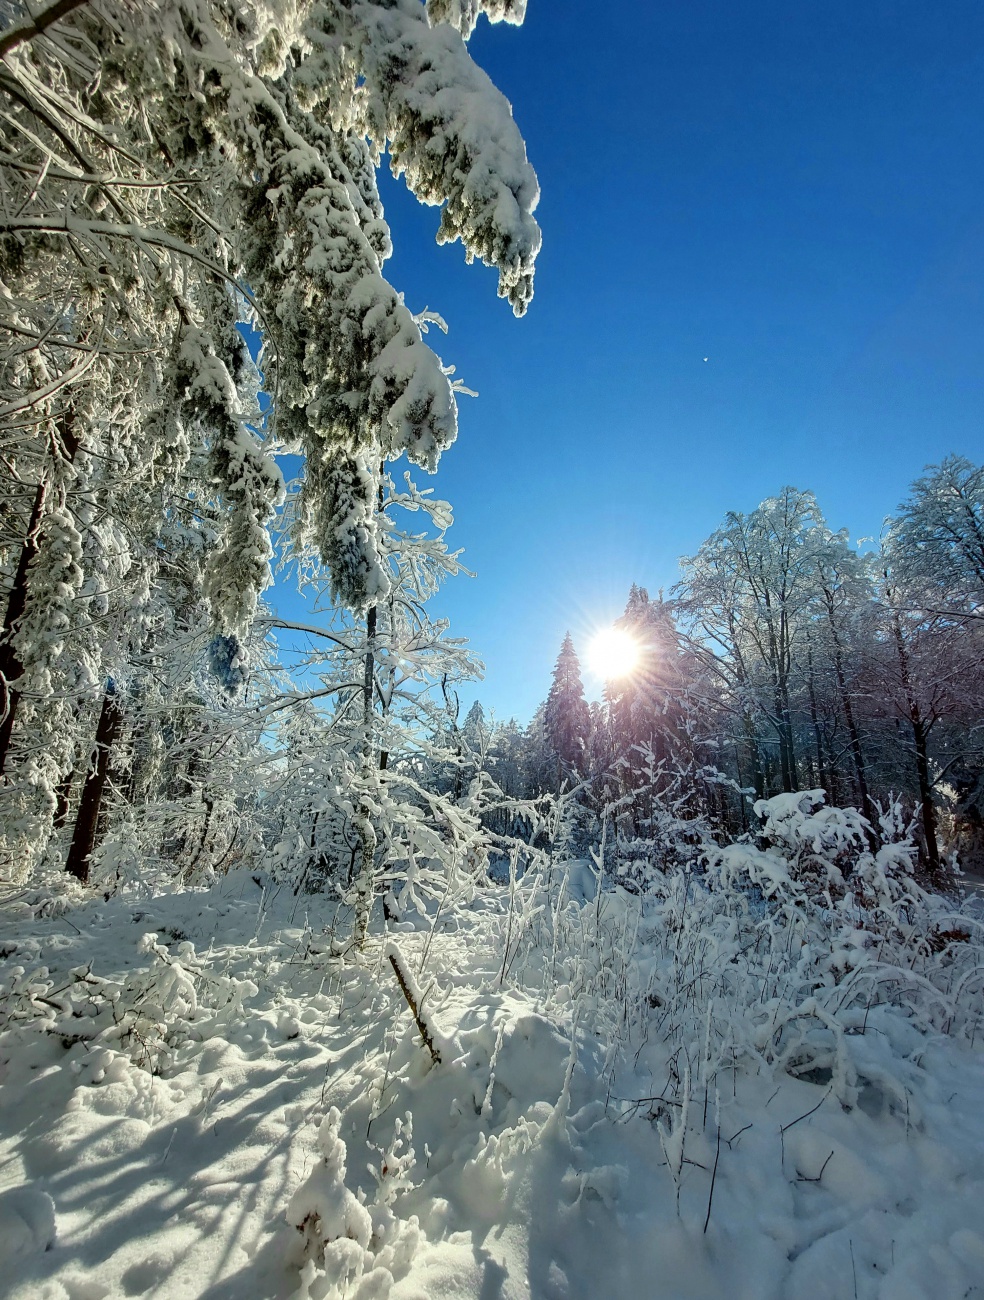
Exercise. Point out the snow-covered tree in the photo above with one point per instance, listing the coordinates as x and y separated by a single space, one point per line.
566 714
748 592
930 683
229 183
376 729
938 536
167 173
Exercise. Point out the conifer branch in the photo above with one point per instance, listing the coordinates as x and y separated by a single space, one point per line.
26 31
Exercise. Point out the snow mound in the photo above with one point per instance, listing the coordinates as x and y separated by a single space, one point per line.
27 1223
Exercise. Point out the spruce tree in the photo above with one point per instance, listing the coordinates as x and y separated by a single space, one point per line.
645 703
566 718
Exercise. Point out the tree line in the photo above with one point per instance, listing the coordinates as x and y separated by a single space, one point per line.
787 659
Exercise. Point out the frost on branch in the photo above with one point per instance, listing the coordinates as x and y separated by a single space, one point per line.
351 364
451 134
56 577
250 482
348 525
352 376
346 364
464 14
238 146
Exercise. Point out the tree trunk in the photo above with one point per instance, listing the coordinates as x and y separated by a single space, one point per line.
920 735
920 740
754 756
857 754
365 883
779 671
63 797
824 776
209 804
90 801
787 750
10 666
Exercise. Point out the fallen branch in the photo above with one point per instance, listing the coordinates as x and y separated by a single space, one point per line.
410 991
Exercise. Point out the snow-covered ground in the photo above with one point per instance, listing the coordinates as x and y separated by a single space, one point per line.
260 1118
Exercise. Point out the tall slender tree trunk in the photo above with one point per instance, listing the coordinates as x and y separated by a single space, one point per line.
365 882
824 776
10 666
779 669
754 757
920 740
920 737
94 786
787 752
854 735
209 804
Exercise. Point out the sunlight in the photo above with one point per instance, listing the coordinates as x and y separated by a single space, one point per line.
613 653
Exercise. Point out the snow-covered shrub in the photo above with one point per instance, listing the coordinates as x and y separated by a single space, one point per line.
661 822
336 1228
346 1248
148 1014
394 1240
819 843
396 1162
766 958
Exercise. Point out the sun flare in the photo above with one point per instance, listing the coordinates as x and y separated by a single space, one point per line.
613 653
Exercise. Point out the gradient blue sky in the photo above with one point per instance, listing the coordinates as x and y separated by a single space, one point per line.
792 190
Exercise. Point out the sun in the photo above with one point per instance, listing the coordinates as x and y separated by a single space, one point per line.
613 653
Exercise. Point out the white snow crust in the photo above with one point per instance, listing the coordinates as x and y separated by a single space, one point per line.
197 1099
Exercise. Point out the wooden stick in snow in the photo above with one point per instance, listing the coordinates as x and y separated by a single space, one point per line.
425 1033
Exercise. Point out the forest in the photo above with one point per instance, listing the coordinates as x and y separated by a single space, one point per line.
786 659
315 982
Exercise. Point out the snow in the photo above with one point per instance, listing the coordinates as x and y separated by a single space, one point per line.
198 1099
27 1222
451 134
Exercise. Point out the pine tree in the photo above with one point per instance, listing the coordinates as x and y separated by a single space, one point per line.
645 705
566 716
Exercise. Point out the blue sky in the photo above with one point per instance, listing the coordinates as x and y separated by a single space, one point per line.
793 191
